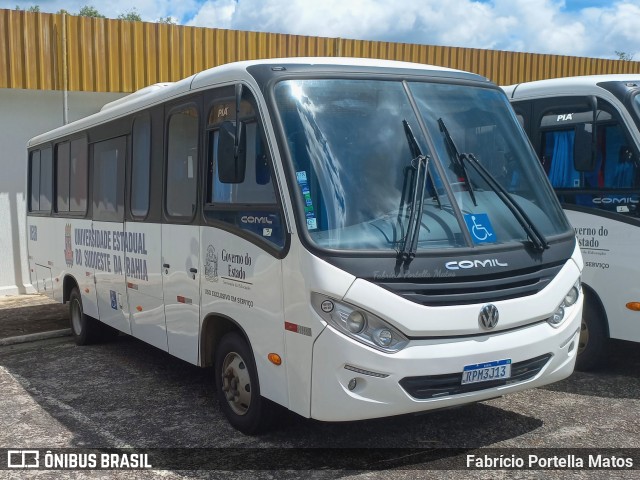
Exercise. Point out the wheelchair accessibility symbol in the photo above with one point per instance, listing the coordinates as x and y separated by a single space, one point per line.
480 228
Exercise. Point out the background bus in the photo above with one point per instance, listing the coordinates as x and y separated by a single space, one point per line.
585 132
311 229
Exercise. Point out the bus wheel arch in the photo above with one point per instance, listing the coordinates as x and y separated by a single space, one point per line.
594 331
68 284
214 327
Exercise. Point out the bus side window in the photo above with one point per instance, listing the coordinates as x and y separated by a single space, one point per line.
46 179
615 166
34 187
71 176
40 184
108 179
140 166
250 205
256 187
62 177
182 163
78 170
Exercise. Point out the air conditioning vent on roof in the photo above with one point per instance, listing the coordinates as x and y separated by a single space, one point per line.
139 93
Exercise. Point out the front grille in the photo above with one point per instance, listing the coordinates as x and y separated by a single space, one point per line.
433 386
464 291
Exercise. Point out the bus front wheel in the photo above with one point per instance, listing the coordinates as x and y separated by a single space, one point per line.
593 337
237 385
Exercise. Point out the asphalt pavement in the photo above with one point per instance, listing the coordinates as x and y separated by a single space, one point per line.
23 315
127 394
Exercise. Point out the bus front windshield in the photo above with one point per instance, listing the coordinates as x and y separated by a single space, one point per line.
353 144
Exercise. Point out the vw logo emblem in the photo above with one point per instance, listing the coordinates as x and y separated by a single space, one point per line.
488 316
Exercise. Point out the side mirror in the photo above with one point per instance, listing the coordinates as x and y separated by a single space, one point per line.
232 161
584 154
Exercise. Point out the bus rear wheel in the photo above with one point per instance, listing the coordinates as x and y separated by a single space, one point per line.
237 386
85 329
593 337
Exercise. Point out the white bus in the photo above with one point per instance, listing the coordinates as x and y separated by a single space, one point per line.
349 239
585 131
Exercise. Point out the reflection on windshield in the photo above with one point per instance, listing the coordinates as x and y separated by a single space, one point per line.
349 151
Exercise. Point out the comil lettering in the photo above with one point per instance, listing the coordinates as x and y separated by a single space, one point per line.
464 264
609 200
252 219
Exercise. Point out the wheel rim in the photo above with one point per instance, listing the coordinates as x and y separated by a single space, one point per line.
236 383
76 317
584 337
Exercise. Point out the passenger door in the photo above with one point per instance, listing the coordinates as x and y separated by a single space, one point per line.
180 230
243 238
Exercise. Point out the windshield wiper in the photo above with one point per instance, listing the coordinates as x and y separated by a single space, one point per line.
458 160
538 240
419 172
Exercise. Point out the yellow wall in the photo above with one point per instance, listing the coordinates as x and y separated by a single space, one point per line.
104 55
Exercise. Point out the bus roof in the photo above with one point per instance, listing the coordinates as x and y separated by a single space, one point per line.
228 73
582 85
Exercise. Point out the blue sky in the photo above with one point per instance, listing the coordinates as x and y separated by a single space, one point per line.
565 27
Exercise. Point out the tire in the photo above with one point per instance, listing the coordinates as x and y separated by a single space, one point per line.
82 328
237 387
593 337
85 329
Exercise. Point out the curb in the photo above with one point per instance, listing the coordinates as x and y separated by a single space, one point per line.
33 337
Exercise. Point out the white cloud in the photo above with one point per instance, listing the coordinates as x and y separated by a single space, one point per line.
216 14
543 26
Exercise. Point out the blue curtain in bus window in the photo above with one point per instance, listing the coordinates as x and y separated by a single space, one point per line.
222 192
618 170
562 174
623 177
263 176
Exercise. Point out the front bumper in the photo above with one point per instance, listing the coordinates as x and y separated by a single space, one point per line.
377 375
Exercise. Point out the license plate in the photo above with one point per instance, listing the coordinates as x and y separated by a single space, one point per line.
485 372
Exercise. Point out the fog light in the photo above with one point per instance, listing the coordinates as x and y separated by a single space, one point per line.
571 346
352 384
356 321
383 337
557 317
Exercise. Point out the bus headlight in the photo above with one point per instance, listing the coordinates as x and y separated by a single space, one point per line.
572 296
569 299
362 326
356 321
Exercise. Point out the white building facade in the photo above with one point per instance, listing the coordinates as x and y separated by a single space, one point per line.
24 114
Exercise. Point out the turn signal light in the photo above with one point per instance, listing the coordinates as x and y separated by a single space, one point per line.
635 306
275 358
139 308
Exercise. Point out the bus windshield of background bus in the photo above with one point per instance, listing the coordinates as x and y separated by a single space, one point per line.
350 152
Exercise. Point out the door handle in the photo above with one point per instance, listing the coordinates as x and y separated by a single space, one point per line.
165 265
193 270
